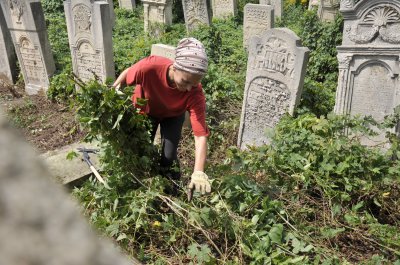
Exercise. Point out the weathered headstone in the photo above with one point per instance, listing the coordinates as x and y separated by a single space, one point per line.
112 11
277 4
156 13
196 13
257 19
328 9
369 63
127 4
274 81
90 38
8 60
312 4
26 23
224 8
163 50
39 222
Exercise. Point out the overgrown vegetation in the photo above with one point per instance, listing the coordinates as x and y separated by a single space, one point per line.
315 195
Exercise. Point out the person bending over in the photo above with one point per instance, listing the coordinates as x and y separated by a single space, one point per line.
171 88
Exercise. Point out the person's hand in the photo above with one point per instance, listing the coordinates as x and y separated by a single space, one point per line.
199 182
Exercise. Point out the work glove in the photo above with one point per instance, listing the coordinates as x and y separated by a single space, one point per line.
199 182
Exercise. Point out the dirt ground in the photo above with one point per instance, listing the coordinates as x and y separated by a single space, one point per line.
45 124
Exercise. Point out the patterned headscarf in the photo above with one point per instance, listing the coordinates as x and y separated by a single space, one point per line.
190 56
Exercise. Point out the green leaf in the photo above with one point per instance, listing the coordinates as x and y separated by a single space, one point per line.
71 155
276 233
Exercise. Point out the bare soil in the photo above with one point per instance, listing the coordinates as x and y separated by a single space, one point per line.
47 125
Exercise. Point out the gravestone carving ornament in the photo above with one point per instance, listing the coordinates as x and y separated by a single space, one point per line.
224 8
277 4
257 19
196 13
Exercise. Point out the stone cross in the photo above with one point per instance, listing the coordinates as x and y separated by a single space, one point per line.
224 8
8 60
277 4
369 64
156 13
257 19
196 13
127 4
27 25
275 74
90 39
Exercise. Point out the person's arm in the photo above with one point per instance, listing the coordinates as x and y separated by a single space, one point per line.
121 80
200 152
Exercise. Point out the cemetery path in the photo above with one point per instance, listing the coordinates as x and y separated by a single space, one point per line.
45 124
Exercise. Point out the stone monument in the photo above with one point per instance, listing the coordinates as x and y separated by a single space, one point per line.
312 4
112 11
90 39
163 50
328 9
224 8
127 4
196 13
27 25
257 19
277 4
274 80
39 222
8 60
157 13
369 64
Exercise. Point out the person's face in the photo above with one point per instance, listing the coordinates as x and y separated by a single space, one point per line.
185 81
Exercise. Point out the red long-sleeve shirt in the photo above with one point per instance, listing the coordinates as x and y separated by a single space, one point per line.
150 77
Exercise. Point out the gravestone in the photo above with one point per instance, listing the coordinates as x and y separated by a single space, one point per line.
157 14
127 4
313 4
275 74
112 11
257 19
277 4
90 39
27 25
163 50
39 221
8 60
328 9
369 65
196 13
224 8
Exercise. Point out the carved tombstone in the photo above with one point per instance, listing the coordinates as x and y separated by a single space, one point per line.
328 9
26 23
274 81
196 13
90 39
156 13
369 64
277 4
8 60
127 4
224 8
257 19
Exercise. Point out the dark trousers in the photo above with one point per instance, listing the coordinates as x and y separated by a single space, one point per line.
171 130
